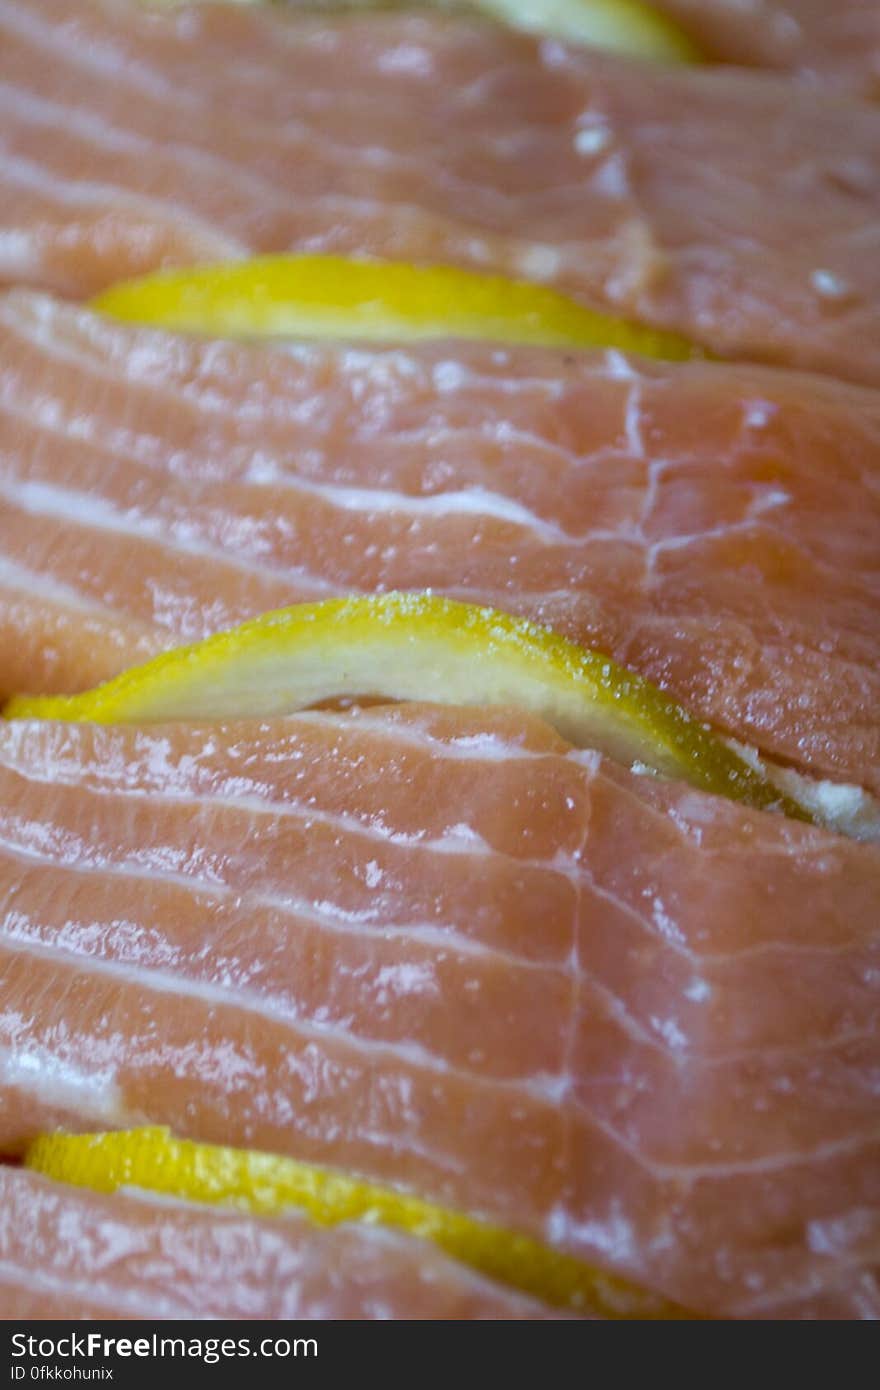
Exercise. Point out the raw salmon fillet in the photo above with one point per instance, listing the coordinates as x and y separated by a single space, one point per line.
438 949
827 42
715 527
68 1253
131 137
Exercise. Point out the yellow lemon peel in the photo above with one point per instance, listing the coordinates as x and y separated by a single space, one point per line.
419 647
337 297
268 1184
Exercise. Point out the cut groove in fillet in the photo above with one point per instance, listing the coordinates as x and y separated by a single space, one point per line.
420 647
317 296
151 1159
620 26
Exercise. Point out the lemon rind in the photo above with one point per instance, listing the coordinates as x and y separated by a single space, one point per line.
339 298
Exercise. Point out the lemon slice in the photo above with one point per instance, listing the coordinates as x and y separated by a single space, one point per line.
419 647
621 26
268 1184
338 297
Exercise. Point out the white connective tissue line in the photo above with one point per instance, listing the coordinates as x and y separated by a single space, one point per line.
91 1292
59 1083
46 499
409 1053
39 586
474 501
458 839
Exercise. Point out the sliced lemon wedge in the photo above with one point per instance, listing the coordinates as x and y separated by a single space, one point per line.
316 296
621 26
268 1184
419 647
